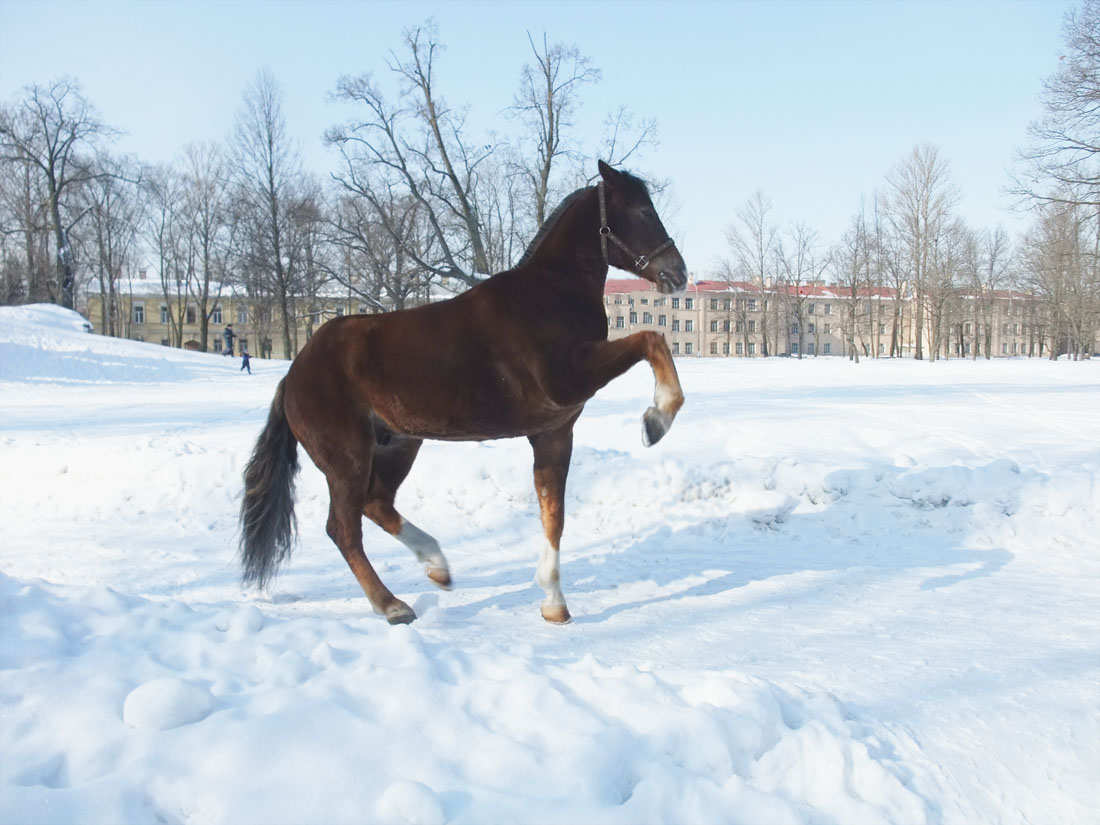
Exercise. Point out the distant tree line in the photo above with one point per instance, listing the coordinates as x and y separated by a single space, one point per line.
907 240
419 199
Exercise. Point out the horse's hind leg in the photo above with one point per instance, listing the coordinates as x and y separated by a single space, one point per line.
345 527
393 458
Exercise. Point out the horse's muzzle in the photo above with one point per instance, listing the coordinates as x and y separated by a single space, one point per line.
669 282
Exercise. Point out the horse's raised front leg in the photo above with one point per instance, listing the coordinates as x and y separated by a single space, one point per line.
552 453
597 363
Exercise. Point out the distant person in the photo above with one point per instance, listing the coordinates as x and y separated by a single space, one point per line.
229 335
245 364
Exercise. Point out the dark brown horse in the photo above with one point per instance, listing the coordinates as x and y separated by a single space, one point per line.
517 355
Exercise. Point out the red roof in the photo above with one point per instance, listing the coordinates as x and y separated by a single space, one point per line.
618 286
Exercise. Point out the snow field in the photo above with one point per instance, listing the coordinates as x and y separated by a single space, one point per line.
834 593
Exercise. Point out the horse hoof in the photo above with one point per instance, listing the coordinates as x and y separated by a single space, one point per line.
654 426
556 614
400 613
440 577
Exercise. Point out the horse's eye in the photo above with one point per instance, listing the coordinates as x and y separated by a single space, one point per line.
647 214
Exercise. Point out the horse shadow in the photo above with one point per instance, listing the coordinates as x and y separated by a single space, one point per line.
731 551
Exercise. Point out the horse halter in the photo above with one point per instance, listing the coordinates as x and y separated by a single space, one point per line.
640 261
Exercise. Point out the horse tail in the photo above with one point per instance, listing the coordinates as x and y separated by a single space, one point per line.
268 526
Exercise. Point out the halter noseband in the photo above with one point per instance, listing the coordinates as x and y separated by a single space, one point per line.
640 261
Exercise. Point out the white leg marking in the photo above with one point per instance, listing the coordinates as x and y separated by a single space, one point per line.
548 577
423 546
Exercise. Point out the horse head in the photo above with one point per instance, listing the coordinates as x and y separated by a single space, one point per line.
631 234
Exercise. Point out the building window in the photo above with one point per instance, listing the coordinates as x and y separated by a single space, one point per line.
1004 349
828 328
675 303
752 326
191 315
725 347
687 348
752 348
794 329
139 313
828 309
713 347
242 315
647 318
714 304
714 326
619 322
675 324
645 302
689 303
751 304
739 326
216 316
881 348
810 348
675 347
811 330
810 309
662 320
794 348
966 329
689 326
633 317
164 314
829 348
618 299
739 349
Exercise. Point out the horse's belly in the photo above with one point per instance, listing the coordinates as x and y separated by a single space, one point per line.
478 423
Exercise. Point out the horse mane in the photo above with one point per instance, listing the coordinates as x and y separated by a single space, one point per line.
548 224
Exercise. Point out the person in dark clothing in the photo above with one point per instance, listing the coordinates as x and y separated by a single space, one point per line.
229 335
245 364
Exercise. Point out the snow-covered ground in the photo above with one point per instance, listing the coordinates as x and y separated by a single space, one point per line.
834 593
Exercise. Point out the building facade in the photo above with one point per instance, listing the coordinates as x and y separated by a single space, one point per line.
744 320
709 319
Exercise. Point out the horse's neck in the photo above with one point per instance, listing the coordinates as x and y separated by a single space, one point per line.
572 246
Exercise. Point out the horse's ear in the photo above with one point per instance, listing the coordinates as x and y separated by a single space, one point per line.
609 175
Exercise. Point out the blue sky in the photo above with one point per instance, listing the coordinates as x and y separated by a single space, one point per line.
811 102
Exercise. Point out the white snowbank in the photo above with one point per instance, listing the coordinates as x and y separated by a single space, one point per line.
833 594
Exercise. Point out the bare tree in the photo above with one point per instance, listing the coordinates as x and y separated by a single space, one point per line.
113 223
24 232
802 264
921 197
421 146
55 131
267 172
545 102
1062 164
987 258
207 221
752 240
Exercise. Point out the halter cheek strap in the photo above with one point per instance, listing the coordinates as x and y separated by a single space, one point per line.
640 261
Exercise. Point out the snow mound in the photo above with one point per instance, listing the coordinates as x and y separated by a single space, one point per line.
166 703
607 743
